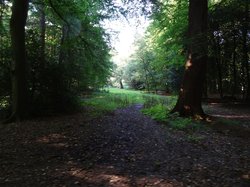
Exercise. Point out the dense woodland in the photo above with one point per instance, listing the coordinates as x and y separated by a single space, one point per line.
66 52
54 51
158 62
180 116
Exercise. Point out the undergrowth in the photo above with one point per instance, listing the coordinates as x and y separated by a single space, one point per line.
108 101
161 113
155 106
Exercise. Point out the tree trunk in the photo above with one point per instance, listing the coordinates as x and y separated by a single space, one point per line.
121 85
1 28
245 51
1 13
19 80
42 34
218 65
190 95
146 75
235 83
62 55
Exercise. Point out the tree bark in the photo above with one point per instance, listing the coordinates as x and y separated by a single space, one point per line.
121 85
19 80
235 83
42 34
218 66
190 95
62 55
245 51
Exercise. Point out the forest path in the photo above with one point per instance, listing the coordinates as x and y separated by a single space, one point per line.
124 148
232 111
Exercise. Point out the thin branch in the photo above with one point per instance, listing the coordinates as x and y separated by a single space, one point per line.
58 13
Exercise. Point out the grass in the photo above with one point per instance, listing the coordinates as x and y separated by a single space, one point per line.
110 100
114 98
155 106
157 112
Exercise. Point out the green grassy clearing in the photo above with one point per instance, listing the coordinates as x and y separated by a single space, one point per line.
156 106
112 99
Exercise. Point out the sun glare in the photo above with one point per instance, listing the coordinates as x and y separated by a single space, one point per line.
123 35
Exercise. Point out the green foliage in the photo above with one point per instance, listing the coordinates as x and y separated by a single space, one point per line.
104 102
155 106
157 64
157 112
119 98
228 39
161 113
181 123
71 57
75 57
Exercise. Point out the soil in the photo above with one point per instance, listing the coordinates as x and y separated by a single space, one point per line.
122 149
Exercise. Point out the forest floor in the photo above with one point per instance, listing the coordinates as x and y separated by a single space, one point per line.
125 149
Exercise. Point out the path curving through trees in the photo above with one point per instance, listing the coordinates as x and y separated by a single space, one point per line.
124 148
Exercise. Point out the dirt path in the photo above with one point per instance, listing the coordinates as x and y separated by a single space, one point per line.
125 148
235 111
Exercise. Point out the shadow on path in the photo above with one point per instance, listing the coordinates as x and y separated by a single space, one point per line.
124 148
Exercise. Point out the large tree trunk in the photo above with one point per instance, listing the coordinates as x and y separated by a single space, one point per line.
19 80
190 95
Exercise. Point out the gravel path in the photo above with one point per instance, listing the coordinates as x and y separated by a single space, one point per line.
124 148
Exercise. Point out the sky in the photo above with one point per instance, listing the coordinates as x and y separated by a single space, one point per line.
123 35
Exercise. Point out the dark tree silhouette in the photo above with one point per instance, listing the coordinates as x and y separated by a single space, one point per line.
19 80
190 95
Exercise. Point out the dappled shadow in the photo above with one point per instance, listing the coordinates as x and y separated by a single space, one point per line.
230 118
123 149
236 111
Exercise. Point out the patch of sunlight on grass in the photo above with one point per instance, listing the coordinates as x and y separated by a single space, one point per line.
157 107
115 98
123 91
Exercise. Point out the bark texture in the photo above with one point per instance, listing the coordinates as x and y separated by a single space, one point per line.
19 80
42 34
245 51
190 95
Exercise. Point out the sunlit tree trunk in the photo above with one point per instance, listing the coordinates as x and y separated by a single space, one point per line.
19 80
190 95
